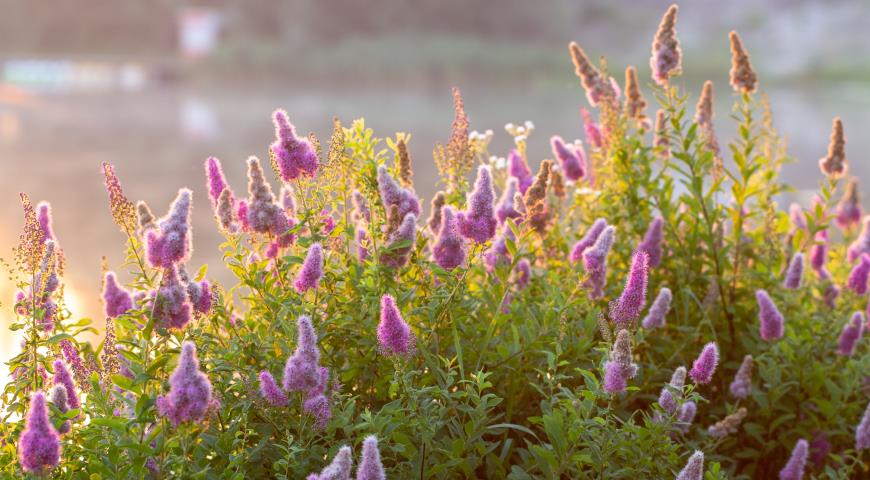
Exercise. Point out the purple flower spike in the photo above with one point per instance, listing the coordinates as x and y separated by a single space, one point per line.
672 391
498 252
190 391
614 381
772 322
588 239
312 270
397 256
819 255
595 262
522 273
795 272
593 131
686 415
371 468
859 275
339 469
655 318
652 242
797 216
316 404
694 469
44 220
627 308
848 210
173 242
450 248
294 155
63 378
571 157
741 386
270 391
172 308
39 444
394 334
506 208
478 221
862 433
217 183
118 300
852 331
704 367
301 373
519 169
794 468
862 243
619 368
393 194
59 399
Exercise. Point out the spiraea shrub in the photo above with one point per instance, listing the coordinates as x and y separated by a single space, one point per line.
637 306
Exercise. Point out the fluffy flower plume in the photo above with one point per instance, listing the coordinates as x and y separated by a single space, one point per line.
312 270
394 334
849 207
666 53
588 239
63 379
58 397
339 469
834 164
217 183
850 335
301 373
261 213
145 217
673 391
742 75
794 273
505 209
594 136
598 88
435 209
571 157
705 365
741 386
727 425
652 242
862 432
771 321
704 117
39 444
819 255
655 318
370 467
295 156
595 262
861 244
635 104
270 391
858 277
116 298
172 244
172 307
190 394
794 468
519 169
449 250
478 222
694 469
397 255
627 308
620 368
392 194
686 415
316 404
498 252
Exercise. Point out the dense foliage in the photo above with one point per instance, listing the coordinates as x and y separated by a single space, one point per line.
638 308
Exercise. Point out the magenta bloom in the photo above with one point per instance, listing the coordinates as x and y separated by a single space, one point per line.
339 469
242 213
655 318
394 334
190 391
312 270
862 243
852 331
43 217
393 194
261 213
505 209
848 210
199 294
397 256
173 242
39 444
614 380
588 239
741 386
686 415
772 322
316 404
592 129
595 262
795 272
270 391
523 273
172 308
794 468
118 300
859 275
862 432
301 373
819 255
570 156
705 365
478 221
63 378
370 467
694 469
652 242
59 399
217 183
294 155
450 249
519 169
633 299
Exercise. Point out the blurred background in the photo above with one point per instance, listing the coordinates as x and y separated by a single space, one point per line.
156 86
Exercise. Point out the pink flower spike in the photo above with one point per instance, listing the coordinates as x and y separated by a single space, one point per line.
704 367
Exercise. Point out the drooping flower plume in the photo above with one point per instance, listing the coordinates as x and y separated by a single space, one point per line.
478 222
625 310
190 394
301 372
655 318
794 468
294 155
370 467
852 332
312 270
450 248
171 243
394 334
571 157
771 321
741 386
742 76
705 365
117 300
39 444
666 53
